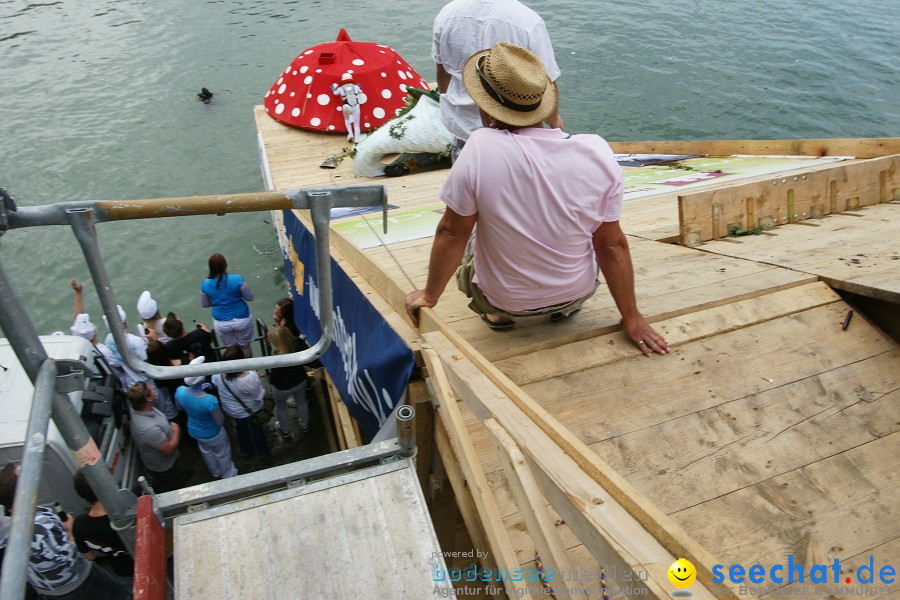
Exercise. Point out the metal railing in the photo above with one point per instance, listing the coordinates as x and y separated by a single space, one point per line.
54 379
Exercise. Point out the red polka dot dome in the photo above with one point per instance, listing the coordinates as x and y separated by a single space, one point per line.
302 96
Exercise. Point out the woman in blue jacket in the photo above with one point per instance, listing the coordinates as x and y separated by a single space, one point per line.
227 294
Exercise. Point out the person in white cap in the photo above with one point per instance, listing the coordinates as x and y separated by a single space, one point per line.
82 326
546 204
205 424
136 345
151 320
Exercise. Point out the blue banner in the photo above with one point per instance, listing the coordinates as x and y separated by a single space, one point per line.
368 362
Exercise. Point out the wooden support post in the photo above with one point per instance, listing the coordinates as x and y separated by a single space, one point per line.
534 511
497 538
421 402
347 429
327 418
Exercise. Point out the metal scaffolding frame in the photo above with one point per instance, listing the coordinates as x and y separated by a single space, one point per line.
54 379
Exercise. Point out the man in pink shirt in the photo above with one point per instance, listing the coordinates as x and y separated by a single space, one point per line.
547 205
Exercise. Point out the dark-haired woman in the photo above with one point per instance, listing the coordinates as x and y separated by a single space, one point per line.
241 396
227 294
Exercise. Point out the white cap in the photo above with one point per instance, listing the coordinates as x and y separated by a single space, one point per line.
146 306
191 381
82 327
121 316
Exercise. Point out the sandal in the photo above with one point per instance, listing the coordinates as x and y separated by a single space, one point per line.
501 326
558 316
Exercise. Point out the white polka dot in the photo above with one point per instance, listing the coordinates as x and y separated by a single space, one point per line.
309 95
279 109
295 112
331 128
384 74
358 62
385 94
323 99
282 88
402 75
403 87
408 74
307 80
277 101
287 69
378 113
293 94
280 79
350 71
267 94
382 51
318 70
366 125
294 73
308 52
339 108
304 69
315 121
399 63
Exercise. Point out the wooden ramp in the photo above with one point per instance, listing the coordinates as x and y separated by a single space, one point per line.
767 432
340 537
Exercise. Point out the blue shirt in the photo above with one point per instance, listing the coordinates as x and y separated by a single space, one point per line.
201 425
226 300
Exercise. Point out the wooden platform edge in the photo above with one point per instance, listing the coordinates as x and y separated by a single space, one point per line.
857 147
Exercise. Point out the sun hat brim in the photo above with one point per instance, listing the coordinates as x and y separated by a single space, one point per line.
488 104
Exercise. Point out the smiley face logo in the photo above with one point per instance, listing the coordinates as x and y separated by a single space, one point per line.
682 573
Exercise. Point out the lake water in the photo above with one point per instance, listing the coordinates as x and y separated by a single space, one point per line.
97 101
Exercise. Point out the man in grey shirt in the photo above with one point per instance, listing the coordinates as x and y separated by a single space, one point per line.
156 439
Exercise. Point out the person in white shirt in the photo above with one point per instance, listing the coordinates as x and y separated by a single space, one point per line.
462 28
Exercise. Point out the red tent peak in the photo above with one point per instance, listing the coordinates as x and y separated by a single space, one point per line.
343 36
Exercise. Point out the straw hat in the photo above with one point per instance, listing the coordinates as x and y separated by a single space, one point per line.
511 84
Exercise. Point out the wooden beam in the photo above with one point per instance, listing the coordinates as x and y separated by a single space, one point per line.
419 399
790 198
347 434
497 538
857 147
534 510
523 411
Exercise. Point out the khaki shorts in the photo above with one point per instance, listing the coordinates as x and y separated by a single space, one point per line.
480 304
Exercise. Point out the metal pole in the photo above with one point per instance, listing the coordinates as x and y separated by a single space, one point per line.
119 504
81 221
406 430
15 564
123 210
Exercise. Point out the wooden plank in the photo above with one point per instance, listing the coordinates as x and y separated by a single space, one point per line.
859 255
586 354
461 490
713 214
846 501
703 455
858 147
513 409
497 539
529 498
628 395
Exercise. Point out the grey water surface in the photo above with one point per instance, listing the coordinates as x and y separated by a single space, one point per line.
97 101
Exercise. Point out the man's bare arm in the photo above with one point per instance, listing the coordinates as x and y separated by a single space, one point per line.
450 240
443 79
614 259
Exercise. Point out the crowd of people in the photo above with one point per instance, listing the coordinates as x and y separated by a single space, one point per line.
162 410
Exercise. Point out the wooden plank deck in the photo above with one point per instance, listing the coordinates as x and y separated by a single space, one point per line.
768 430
